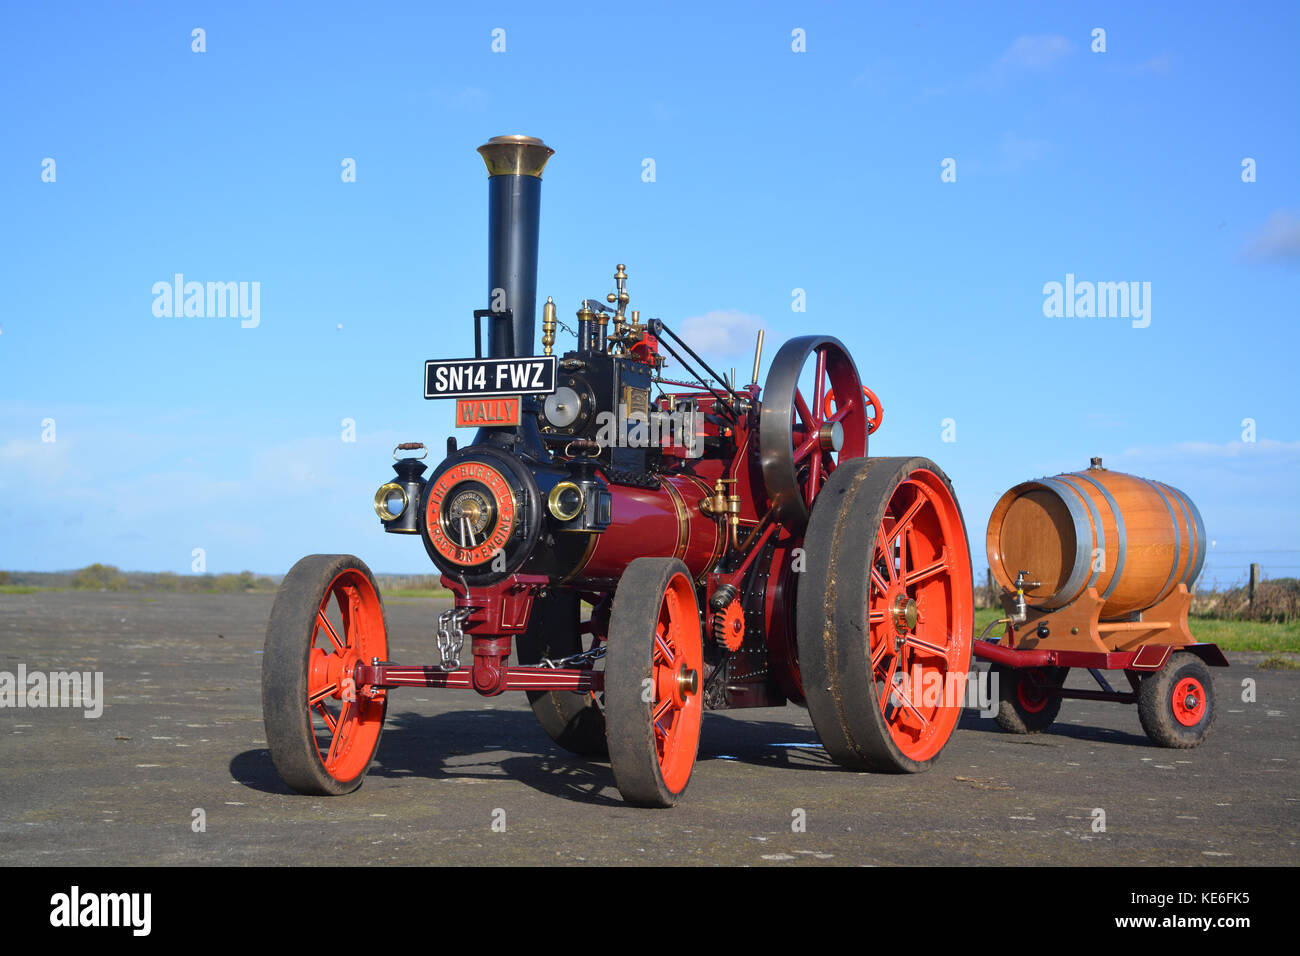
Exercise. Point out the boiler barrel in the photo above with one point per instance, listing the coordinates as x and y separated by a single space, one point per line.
1133 539
664 523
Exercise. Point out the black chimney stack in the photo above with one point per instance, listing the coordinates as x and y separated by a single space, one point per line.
514 165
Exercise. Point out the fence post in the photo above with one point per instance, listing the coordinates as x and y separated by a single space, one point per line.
1254 582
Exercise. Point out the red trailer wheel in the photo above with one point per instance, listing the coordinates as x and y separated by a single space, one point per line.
654 682
1176 704
327 618
1026 704
886 692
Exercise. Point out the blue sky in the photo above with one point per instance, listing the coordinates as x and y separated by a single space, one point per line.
774 170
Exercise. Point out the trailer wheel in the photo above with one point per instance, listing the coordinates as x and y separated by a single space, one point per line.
1025 702
654 682
573 720
1176 704
327 619
885 614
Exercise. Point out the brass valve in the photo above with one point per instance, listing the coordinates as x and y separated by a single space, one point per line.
548 325
720 504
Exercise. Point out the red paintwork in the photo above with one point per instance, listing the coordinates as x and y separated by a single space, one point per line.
648 524
516 678
1149 658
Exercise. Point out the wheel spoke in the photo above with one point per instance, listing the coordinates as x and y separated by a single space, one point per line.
928 571
819 389
340 732
801 408
881 584
889 679
324 622
913 641
326 716
878 652
910 513
804 450
320 695
841 412
902 551
662 709
882 547
665 651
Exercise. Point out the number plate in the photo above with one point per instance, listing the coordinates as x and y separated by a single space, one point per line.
485 378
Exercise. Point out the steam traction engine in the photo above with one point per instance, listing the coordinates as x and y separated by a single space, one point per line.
648 546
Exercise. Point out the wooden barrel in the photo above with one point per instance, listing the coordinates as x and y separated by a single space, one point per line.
1132 539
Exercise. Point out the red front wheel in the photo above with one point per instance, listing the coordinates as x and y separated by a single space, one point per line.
654 682
327 619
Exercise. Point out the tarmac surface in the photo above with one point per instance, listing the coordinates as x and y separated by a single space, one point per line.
181 731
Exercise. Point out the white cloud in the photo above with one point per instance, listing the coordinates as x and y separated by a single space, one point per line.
722 332
1157 65
1278 240
1203 451
1034 52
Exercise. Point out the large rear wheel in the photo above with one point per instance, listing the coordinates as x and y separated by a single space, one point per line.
327 619
885 614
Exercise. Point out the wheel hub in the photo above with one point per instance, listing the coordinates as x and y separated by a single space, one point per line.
831 436
904 614
688 682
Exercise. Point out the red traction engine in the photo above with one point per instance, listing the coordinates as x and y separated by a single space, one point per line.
648 547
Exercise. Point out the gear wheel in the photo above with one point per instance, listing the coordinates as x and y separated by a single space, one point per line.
729 626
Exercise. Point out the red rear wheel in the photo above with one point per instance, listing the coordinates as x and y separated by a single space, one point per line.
919 593
886 535
321 730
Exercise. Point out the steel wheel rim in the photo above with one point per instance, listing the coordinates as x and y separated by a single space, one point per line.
675 716
345 732
932 570
1189 701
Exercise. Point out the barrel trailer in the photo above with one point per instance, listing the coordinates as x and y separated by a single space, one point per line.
650 545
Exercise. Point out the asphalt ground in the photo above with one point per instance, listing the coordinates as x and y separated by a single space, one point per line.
463 780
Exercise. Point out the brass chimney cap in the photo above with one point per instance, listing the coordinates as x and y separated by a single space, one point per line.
515 156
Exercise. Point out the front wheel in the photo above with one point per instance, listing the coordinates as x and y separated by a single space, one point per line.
326 620
654 677
574 720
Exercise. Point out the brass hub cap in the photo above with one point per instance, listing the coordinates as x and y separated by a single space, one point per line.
904 614
688 682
